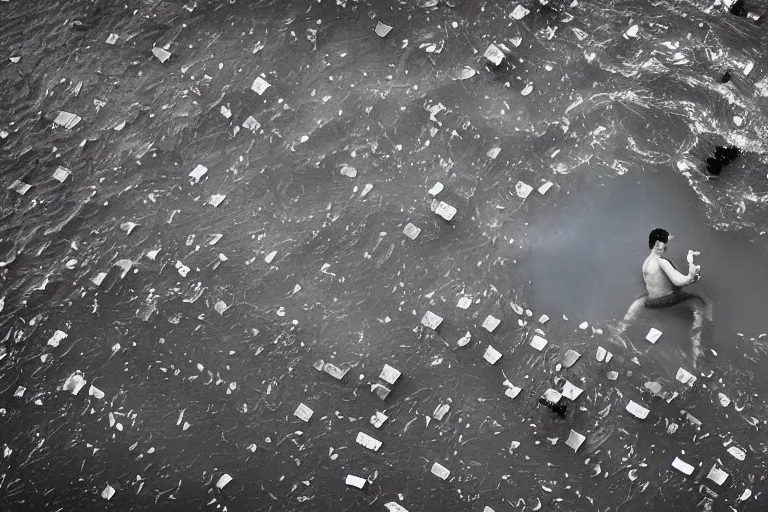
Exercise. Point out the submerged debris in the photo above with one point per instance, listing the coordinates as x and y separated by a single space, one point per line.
431 320
440 471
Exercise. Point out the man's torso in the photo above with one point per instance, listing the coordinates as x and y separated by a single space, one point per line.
656 281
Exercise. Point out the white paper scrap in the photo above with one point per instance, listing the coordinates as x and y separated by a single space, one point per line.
74 383
223 481
523 190
464 303
198 172
494 54
431 320
445 210
20 187
382 29
637 410
545 187
57 337
112 39
685 377
570 391
519 12
491 323
682 466
260 85
395 507
737 452
303 412
355 481
378 419
436 189
411 231
717 475
216 199
95 392
575 440
440 471
538 342
653 335
552 395
67 119
161 53
367 441
512 391
389 374
491 355
108 492
61 174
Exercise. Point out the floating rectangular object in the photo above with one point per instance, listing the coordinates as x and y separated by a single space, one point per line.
464 303
223 481
108 492
491 323
334 371
161 53
198 172
378 419
20 187
216 199
260 85
74 383
355 481
538 342
545 187
440 411
440 471
303 412
61 174
436 189
523 190
552 395
445 210
367 441
431 320
685 377
411 231
389 374
380 390
512 391
717 475
491 355
57 337
382 29
395 507
571 392
570 358
493 152
543 319
737 452
112 39
575 440
251 124
637 410
653 335
67 119
519 12
601 353
95 392
494 54
682 466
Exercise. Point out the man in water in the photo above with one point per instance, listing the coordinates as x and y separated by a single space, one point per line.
664 285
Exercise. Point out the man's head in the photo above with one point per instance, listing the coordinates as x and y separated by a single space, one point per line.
658 239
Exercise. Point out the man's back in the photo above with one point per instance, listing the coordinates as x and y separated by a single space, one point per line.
657 282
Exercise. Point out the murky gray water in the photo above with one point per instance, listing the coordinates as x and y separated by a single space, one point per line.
312 262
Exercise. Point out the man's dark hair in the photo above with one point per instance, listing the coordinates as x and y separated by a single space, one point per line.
658 234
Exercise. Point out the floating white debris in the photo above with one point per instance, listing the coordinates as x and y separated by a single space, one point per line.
380 390
411 231
216 199
445 210
491 355
571 391
57 337
436 189
112 39
682 466
488 509
303 412
260 85
331 369
517 309
737 452
220 307
356 481
395 507
389 374
737 120
464 340
198 172
538 342
528 89
717 475
61 174
653 335
382 29
519 12
545 187
251 124
161 53
494 54
431 320
575 440
512 391
223 481
600 355
543 319
724 400
128 227
270 257
523 190
378 419
570 358
367 188
440 471
367 441
632 31
552 396
225 112
95 392
67 119
637 410
493 152
19 392
108 492
685 377
182 268
98 278
745 495
20 187
748 68
583 325
464 303
491 323
153 254
348 171
74 383
440 411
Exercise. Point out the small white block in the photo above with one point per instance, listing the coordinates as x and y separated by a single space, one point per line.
223 481
538 342
216 199
494 54
637 410
583 325
653 335
717 475
543 319
378 419
519 12
512 391
389 374
161 53
491 323
545 187
575 440
198 172
395 507
491 355
303 412
367 441
440 471
57 337
411 231
436 189
108 492
260 85
445 210
67 120
464 303
61 174
552 395
251 124
523 190
682 466
355 481
570 391
685 377
382 29
112 39
601 353
737 452
431 320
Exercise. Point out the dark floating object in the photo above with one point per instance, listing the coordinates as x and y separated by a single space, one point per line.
723 156
737 9
726 77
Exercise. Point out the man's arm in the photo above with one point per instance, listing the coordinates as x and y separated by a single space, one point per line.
676 277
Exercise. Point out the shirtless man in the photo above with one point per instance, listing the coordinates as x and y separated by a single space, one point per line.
663 283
